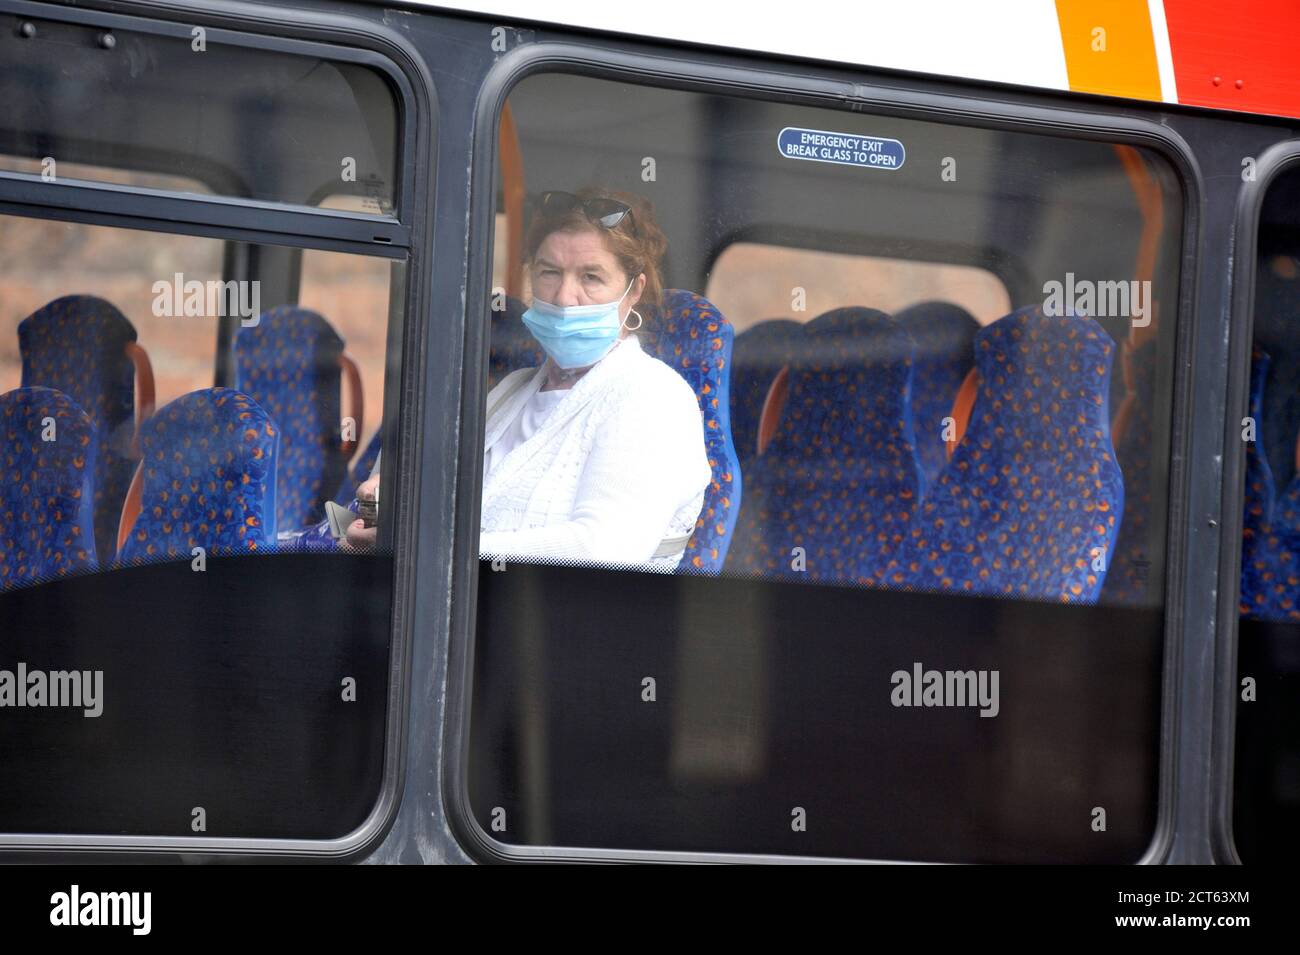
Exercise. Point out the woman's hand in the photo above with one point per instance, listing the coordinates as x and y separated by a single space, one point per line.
361 539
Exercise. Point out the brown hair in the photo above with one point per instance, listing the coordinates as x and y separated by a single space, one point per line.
638 246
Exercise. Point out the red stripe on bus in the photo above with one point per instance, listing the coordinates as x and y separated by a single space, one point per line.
1241 56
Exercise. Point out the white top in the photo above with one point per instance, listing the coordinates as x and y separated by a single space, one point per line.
522 426
616 467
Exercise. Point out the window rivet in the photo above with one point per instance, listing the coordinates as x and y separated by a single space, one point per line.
27 30
107 41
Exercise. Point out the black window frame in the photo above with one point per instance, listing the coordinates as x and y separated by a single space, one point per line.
826 87
403 237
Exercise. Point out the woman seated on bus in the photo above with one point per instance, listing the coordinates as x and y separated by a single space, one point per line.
598 454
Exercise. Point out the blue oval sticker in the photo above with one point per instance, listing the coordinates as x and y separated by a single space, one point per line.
847 149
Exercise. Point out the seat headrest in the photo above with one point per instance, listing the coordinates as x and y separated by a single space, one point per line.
940 329
285 328
82 317
1027 354
849 376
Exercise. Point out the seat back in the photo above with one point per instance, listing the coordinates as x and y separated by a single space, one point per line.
513 347
1032 498
47 468
1270 540
207 479
836 487
944 334
758 355
695 340
77 344
1270 563
1270 566
1128 579
1277 300
289 364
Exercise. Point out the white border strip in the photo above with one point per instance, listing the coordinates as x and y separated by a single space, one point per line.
1164 52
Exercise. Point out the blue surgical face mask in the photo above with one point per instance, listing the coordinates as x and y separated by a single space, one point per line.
576 335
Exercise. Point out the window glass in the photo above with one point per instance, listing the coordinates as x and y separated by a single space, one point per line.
1267 761
44 260
52 170
753 282
499 258
186 648
353 291
819 539
244 122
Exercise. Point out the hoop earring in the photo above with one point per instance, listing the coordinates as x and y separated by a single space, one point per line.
639 320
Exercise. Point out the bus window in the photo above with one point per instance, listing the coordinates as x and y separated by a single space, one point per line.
187 524
196 592
1267 762
254 123
827 543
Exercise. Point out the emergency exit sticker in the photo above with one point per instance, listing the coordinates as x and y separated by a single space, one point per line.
847 149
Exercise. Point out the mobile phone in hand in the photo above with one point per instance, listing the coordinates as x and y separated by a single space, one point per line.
339 519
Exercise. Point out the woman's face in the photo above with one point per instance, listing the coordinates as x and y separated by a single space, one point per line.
575 268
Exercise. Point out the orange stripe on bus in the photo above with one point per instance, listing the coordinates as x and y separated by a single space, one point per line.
1109 47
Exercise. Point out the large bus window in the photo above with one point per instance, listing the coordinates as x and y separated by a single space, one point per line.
196 574
165 542
816 554
1267 794
254 123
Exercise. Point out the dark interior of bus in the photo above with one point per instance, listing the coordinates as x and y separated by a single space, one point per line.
1268 726
775 676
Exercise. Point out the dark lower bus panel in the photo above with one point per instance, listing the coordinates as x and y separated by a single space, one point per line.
770 698
222 690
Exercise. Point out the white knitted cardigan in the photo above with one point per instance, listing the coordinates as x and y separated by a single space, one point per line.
618 469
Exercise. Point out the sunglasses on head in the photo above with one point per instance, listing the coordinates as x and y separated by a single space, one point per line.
601 210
